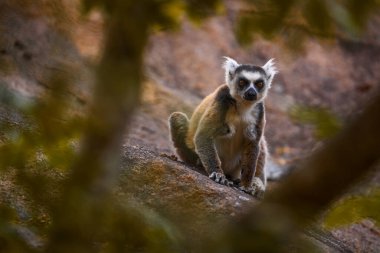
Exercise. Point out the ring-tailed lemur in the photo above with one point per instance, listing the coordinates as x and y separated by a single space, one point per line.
226 130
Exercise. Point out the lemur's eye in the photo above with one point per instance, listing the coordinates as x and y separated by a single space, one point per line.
259 84
243 83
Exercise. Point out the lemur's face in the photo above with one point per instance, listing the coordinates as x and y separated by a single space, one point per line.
248 82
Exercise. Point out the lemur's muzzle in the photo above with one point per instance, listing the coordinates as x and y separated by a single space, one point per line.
250 95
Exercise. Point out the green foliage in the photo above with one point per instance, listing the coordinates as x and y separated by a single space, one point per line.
354 209
360 11
166 14
198 9
313 10
295 20
326 124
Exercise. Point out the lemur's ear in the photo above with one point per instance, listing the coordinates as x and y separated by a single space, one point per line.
270 69
230 66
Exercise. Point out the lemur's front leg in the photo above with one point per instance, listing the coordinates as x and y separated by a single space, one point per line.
205 148
260 177
253 162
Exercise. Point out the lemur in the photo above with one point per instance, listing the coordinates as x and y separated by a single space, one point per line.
226 131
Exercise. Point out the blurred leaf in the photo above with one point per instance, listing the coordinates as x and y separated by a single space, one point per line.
200 9
326 124
311 18
294 38
313 11
343 19
262 18
361 10
354 209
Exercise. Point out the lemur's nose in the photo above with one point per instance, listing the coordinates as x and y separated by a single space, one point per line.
250 94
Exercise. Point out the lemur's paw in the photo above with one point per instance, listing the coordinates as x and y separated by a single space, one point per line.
245 189
220 178
258 188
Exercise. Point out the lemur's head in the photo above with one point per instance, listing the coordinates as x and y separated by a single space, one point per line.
249 82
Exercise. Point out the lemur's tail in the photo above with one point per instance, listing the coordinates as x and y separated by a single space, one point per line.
179 125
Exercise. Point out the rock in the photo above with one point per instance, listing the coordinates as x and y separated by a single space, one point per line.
37 56
190 200
186 197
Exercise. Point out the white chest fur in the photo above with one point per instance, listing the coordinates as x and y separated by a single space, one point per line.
240 118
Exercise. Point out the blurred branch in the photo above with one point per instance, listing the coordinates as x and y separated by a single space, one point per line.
88 214
116 96
330 171
305 194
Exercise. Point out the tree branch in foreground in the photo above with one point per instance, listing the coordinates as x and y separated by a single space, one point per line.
292 206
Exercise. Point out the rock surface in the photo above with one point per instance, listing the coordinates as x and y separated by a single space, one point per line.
182 194
35 54
190 200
